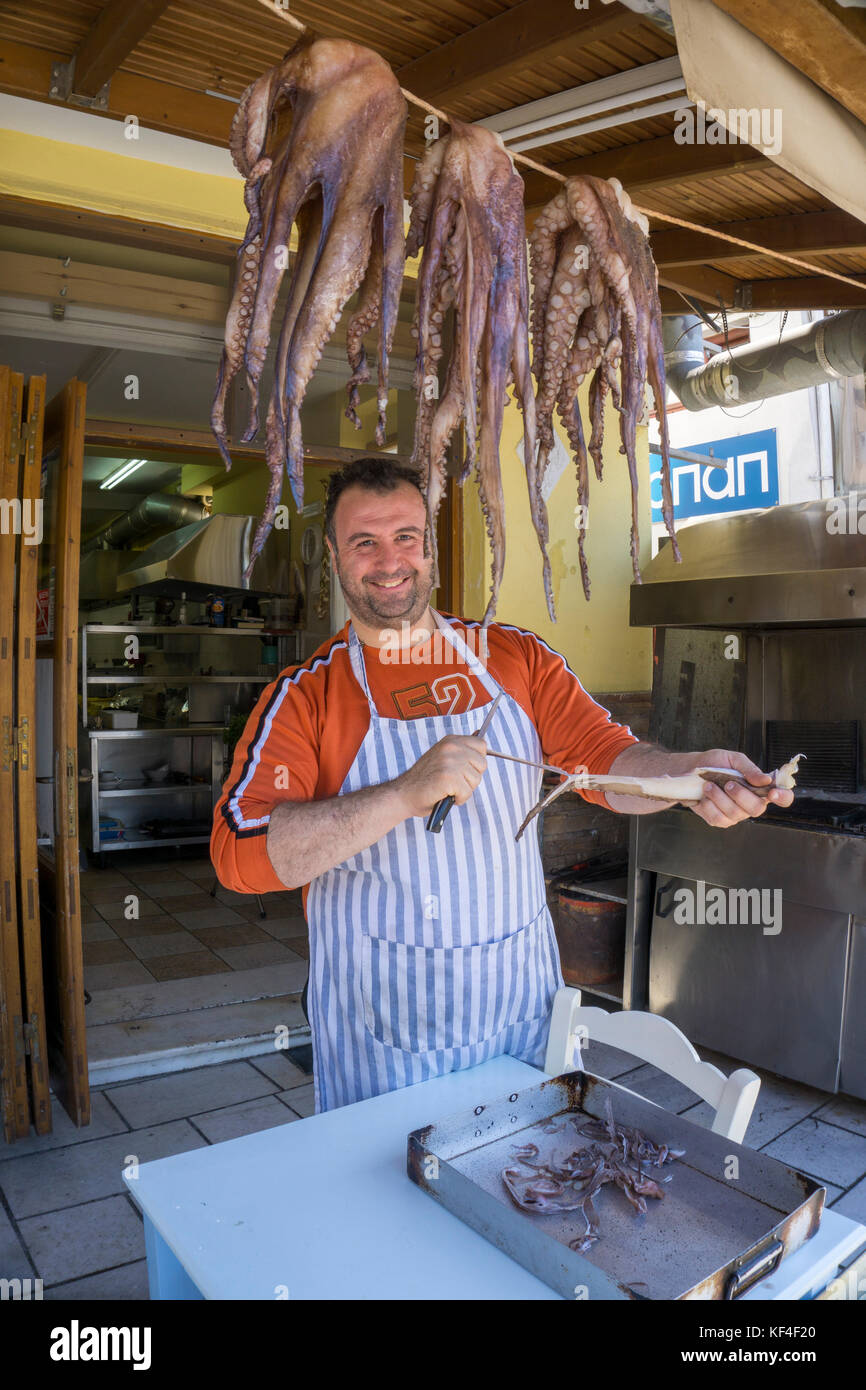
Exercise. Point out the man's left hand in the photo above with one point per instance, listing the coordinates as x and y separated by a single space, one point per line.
727 805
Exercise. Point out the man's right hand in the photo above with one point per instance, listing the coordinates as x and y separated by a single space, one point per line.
452 767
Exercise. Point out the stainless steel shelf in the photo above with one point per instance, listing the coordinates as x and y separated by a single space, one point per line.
108 743
178 679
166 842
610 890
200 630
154 791
175 732
599 993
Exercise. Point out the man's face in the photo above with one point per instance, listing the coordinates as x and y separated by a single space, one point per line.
379 555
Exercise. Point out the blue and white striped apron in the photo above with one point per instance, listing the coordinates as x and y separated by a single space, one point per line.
430 953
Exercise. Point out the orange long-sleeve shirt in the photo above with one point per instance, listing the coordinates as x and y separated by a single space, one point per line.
308 724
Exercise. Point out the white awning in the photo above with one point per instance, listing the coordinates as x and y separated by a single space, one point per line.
740 84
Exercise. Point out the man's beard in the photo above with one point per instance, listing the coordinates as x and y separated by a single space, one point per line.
372 606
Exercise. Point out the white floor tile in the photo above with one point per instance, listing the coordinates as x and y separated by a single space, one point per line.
166 944
103 1121
172 1034
302 1100
248 957
14 1263
84 1172
853 1204
125 972
281 1069
218 916
82 1240
247 1118
157 998
127 1283
830 1153
188 1093
846 1112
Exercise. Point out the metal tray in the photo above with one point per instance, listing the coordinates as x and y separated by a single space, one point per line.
711 1237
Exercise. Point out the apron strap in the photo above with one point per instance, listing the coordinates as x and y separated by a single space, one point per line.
356 659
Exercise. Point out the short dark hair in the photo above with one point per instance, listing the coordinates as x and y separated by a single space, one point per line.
374 474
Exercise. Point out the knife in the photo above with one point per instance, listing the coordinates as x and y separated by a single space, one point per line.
440 810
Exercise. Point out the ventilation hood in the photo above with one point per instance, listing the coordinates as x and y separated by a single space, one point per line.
796 565
207 556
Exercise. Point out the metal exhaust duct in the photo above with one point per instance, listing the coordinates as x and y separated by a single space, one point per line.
817 352
158 509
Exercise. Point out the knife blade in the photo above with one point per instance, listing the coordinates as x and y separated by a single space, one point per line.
440 810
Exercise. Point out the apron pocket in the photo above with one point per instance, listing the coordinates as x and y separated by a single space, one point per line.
422 999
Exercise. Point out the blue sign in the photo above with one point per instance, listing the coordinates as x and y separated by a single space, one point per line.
750 478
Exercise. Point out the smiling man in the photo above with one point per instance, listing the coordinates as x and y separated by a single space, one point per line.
428 952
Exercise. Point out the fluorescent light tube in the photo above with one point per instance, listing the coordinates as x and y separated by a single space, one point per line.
124 471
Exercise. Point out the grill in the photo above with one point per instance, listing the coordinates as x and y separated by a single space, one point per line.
831 749
755 654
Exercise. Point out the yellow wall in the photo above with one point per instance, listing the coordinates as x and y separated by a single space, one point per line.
32 166
594 637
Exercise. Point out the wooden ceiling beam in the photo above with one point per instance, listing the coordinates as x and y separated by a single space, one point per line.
701 282
823 40
799 233
116 32
26 71
647 165
166 439
765 296
804 292
530 34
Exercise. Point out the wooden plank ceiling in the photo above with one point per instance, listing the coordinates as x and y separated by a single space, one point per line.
173 62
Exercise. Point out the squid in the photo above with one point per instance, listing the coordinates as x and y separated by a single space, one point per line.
467 213
686 788
319 141
568 1182
596 311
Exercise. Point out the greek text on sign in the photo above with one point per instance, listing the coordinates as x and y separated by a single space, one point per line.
750 478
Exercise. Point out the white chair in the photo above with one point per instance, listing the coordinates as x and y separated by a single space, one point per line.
655 1040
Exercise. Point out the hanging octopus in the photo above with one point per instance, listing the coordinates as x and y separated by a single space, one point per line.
319 141
596 310
467 212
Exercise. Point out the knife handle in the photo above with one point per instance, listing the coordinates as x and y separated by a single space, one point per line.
436 819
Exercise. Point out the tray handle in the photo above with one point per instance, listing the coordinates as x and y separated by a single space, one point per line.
762 1265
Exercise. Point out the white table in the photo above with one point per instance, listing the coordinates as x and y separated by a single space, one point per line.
323 1208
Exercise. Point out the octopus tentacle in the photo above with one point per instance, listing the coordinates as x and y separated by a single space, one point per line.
393 261
526 400
364 318
618 334
336 275
238 323
467 210
544 242
318 139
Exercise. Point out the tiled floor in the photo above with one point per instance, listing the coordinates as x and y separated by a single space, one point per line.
65 1216
147 920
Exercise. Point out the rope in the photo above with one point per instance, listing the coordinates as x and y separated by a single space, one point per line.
284 14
